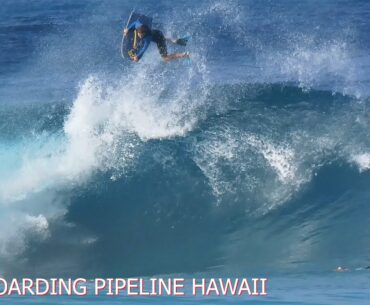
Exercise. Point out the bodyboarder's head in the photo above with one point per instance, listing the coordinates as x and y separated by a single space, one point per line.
143 30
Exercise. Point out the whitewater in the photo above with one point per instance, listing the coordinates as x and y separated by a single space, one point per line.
253 157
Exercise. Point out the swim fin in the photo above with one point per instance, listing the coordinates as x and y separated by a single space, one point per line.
183 41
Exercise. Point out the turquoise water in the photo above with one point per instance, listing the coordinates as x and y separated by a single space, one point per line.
252 158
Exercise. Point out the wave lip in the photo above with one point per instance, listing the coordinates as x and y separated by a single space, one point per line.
261 137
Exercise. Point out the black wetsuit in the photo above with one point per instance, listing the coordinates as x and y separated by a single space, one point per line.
160 40
152 35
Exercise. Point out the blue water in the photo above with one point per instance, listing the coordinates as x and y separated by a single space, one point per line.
253 158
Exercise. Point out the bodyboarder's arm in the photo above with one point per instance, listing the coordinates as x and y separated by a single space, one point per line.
133 26
144 48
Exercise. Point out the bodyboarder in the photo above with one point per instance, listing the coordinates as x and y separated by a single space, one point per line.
146 36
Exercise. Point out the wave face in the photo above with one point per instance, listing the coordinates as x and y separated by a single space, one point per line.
253 157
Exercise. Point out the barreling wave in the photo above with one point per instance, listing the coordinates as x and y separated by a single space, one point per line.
249 156
253 156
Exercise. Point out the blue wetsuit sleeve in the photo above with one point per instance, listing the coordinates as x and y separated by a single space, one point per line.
134 25
145 46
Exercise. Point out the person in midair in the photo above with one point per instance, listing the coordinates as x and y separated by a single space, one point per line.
146 35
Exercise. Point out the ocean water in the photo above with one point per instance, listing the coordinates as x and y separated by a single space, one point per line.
252 159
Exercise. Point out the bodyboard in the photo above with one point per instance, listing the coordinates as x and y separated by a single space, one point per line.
131 42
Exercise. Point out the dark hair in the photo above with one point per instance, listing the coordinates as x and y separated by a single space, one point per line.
144 29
